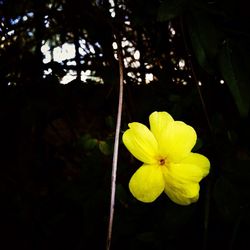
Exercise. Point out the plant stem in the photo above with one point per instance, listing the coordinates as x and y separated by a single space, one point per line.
116 143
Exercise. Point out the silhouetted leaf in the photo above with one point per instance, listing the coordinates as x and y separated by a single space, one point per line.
205 37
236 75
170 9
88 142
105 148
197 145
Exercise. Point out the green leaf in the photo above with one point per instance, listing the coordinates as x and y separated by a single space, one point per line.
121 194
109 120
197 145
199 50
88 142
170 9
105 148
236 76
205 38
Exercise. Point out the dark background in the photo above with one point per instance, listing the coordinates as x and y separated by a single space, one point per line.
57 140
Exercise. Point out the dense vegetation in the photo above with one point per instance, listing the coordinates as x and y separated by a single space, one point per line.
187 57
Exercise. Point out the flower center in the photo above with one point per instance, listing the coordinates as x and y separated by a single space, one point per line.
162 161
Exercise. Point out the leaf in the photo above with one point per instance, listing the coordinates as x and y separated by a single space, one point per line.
105 148
197 145
236 76
170 9
109 120
88 142
205 38
122 195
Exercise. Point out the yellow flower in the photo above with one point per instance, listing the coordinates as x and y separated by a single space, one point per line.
169 165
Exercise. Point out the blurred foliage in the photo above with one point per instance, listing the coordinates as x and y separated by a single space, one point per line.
57 140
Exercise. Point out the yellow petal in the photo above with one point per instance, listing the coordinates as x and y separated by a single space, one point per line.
180 190
177 141
147 183
199 165
141 143
158 122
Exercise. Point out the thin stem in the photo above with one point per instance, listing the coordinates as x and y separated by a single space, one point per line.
116 144
201 97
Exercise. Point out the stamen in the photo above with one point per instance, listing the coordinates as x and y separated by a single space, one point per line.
162 161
